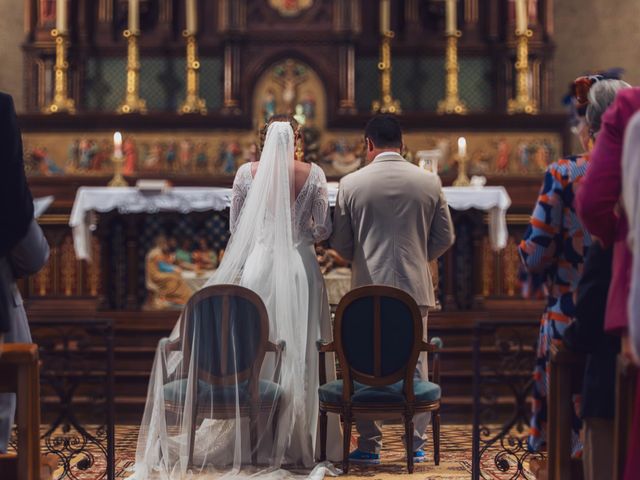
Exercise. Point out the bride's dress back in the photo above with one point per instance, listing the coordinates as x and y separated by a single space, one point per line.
262 255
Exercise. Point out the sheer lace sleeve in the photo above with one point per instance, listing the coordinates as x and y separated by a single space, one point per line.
320 209
241 185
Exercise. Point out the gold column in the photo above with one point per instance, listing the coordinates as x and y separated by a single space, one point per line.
452 103
193 102
133 103
61 102
522 103
386 104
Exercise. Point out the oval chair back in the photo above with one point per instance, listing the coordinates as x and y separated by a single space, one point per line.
377 335
225 331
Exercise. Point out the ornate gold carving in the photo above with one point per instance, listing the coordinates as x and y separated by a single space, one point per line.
193 102
61 102
523 103
452 103
133 103
386 104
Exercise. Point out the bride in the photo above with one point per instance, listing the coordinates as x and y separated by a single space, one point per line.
279 209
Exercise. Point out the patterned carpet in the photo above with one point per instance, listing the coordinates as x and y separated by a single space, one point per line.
455 458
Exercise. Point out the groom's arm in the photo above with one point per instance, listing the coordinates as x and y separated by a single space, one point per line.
342 236
442 232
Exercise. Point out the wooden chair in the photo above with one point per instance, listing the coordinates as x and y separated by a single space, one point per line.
626 378
213 316
378 337
19 373
566 372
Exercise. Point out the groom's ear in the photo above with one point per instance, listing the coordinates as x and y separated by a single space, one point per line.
370 145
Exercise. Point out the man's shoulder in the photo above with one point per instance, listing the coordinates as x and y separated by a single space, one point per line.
5 100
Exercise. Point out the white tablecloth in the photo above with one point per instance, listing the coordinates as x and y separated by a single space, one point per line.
495 200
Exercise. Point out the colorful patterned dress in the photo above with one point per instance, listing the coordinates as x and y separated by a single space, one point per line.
555 244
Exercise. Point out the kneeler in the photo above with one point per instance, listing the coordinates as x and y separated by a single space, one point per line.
19 372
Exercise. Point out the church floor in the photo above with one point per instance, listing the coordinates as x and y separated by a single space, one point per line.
455 457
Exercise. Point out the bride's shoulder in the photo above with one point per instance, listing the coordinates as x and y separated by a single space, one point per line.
317 173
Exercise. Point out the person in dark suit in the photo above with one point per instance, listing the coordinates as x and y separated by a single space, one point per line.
23 247
587 335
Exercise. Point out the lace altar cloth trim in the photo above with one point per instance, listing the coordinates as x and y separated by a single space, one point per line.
126 200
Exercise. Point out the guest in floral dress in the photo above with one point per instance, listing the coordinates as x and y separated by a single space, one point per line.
556 243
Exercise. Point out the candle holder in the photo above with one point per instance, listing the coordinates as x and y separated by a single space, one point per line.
463 179
133 103
61 102
386 104
193 102
452 103
523 103
118 179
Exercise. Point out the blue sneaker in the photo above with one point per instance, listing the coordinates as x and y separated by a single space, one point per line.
419 456
366 458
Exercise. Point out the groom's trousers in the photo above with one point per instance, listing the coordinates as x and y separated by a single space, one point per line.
370 439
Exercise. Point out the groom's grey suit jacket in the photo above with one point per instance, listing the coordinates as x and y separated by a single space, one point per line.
390 220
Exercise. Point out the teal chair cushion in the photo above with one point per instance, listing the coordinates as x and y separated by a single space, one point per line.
175 392
424 391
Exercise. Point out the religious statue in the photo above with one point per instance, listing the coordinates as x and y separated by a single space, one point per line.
502 161
130 156
290 76
201 158
524 156
204 257
153 159
228 157
73 155
170 156
299 116
308 103
269 105
44 163
164 281
541 157
103 155
185 154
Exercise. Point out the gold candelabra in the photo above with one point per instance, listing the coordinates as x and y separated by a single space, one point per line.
133 103
61 102
523 103
452 103
462 180
118 179
387 104
193 102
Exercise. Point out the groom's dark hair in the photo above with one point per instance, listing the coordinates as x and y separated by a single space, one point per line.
384 131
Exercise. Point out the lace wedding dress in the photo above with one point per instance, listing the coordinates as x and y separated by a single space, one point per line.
271 251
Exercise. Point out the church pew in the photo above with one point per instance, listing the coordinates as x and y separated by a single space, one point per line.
19 372
626 376
565 374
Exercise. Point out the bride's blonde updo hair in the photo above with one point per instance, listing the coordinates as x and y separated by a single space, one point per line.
278 118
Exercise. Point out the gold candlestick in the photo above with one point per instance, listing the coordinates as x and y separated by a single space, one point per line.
61 102
452 103
523 103
193 103
118 179
133 103
462 180
387 104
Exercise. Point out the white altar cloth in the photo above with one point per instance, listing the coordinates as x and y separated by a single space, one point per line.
125 200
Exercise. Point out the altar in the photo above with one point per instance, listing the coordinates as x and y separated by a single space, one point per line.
189 215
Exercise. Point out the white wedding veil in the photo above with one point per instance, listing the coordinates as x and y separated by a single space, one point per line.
261 256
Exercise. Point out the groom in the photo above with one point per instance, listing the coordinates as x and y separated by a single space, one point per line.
390 220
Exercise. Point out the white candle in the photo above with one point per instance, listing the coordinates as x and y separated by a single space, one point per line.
451 17
117 145
61 16
134 16
521 16
462 147
192 17
385 16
